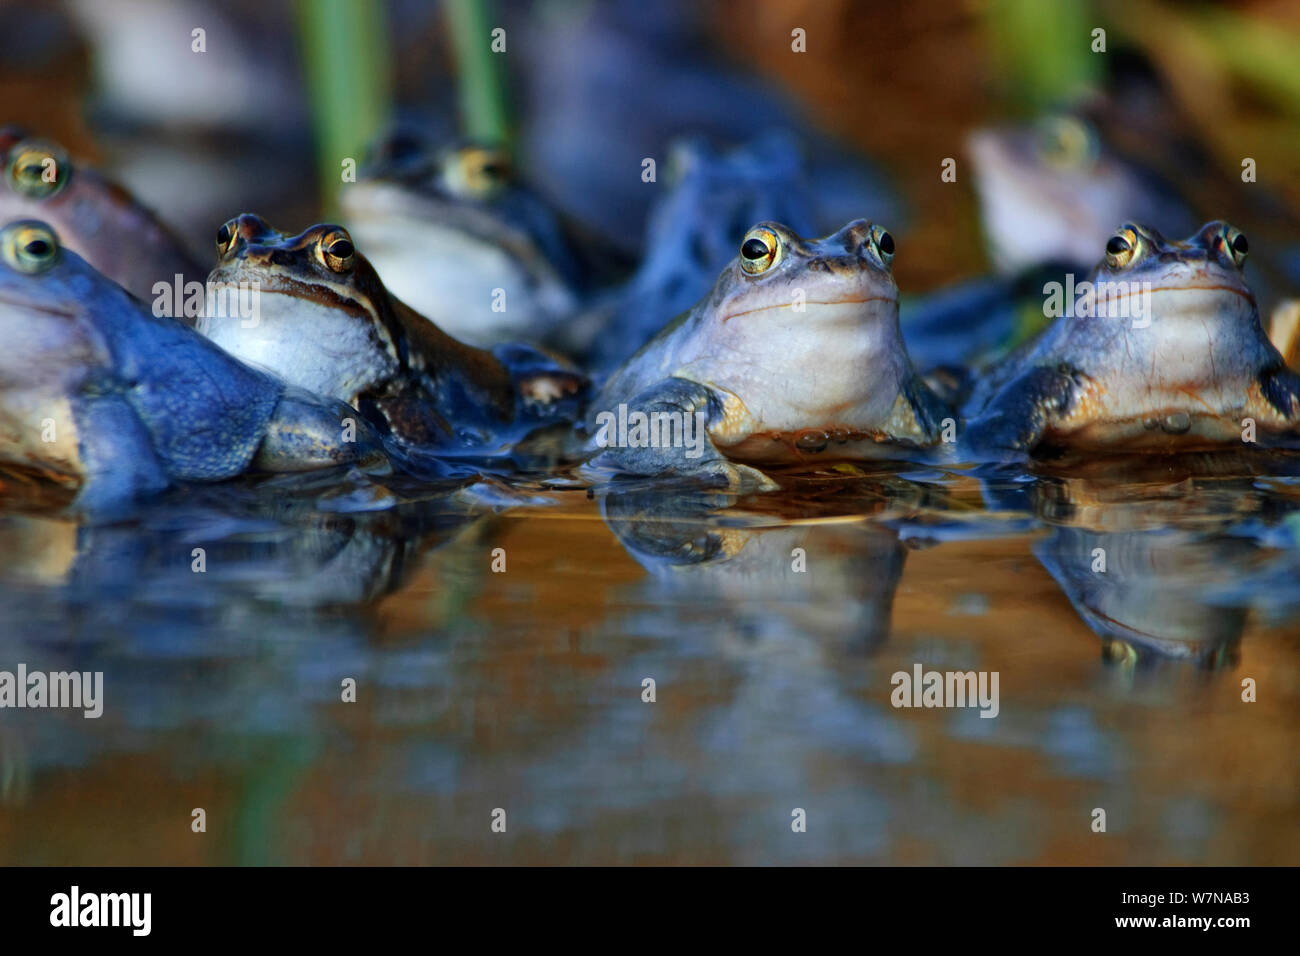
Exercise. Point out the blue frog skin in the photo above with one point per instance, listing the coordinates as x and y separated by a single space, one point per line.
95 218
1162 351
452 231
117 403
693 232
794 357
328 324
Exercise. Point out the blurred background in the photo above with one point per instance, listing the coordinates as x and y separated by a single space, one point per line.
523 690
586 90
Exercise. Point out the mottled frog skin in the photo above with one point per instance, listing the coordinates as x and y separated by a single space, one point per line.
1169 357
328 324
102 396
795 356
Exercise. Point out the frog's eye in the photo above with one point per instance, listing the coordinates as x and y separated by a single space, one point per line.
36 170
480 172
1235 242
1121 248
883 243
29 247
226 237
1067 141
336 251
759 251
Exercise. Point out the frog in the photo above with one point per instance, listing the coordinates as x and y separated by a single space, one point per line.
1051 191
794 357
327 323
713 198
1162 351
94 217
456 233
102 397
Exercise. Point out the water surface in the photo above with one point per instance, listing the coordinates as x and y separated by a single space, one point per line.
523 689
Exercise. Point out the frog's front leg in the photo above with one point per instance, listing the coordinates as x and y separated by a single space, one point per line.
1019 415
664 430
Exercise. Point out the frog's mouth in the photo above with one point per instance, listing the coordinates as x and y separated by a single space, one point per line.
829 303
34 305
1236 290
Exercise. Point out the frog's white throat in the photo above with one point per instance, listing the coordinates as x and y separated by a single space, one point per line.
325 349
843 361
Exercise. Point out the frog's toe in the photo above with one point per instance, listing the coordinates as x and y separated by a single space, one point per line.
736 478
308 432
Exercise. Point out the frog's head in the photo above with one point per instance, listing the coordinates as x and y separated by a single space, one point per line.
1196 285
446 227
782 279
319 264
44 291
1051 191
320 317
470 190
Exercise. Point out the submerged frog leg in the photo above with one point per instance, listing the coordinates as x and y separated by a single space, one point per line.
1017 417
117 453
697 409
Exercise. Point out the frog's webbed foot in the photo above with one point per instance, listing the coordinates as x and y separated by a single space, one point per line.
733 476
664 431
308 432
1016 418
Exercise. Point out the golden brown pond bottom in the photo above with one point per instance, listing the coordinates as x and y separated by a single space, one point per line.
501 660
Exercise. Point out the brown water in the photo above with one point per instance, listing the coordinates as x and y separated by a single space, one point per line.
522 689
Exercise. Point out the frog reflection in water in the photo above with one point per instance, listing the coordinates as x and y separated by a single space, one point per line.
102 396
327 323
1168 355
1158 569
94 218
702 549
795 356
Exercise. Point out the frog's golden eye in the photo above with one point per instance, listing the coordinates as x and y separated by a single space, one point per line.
1067 141
29 246
336 251
479 172
37 170
226 237
1234 240
1121 248
883 243
760 251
